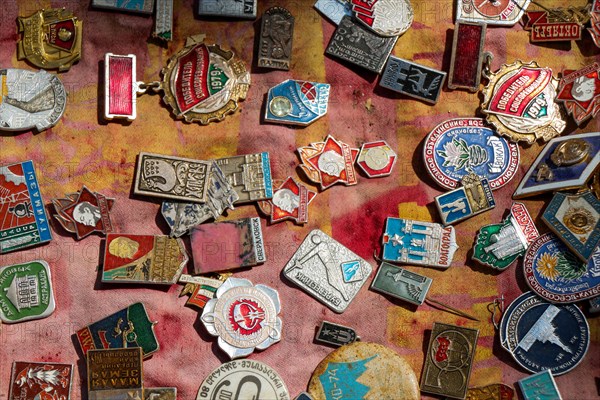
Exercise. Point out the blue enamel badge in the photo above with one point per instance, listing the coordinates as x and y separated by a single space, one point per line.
297 102
540 386
474 197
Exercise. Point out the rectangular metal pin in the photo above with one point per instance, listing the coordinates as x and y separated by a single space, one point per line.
540 386
401 283
275 40
467 55
474 197
125 363
227 8
119 86
413 79
163 20
132 6
335 334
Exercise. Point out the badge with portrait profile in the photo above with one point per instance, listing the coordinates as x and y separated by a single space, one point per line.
579 91
290 202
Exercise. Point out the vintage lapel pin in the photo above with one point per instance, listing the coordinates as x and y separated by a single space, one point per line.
136 6
520 102
417 242
554 273
87 213
303 396
244 316
408 286
297 102
449 360
564 163
575 219
335 334
115 374
201 83
181 217
467 55
363 370
275 39
594 305
30 100
51 39
40 381
329 162
163 20
355 44
327 270
542 336
147 259
472 198
500 245
412 79
163 393
129 327
462 145
495 391
492 12
26 292
594 29
23 219
226 245
250 176
579 92
557 24
243 9
540 386
384 17
290 202
199 288
334 10
172 177
250 378
376 159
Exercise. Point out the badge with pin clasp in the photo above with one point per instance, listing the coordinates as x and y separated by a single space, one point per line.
290 202
297 102
275 40
540 386
565 163
115 374
579 91
376 159
40 381
84 212
412 79
472 198
51 39
467 55
334 10
335 334
244 9
418 242
30 100
244 317
492 12
520 102
384 17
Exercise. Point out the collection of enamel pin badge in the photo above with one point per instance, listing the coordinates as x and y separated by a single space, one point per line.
468 157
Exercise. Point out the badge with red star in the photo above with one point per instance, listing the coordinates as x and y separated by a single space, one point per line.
290 202
84 212
329 162
579 91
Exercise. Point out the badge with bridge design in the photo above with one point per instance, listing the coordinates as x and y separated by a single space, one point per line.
297 102
335 334
459 146
474 197
412 79
500 245
541 335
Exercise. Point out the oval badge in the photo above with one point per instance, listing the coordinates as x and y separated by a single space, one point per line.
30 100
462 145
557 275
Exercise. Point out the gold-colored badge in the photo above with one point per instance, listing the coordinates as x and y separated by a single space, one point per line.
51 39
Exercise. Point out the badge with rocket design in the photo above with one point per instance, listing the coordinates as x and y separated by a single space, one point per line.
579 91
129 327
290 202
329 162
297 102
84 212
40 381
376 159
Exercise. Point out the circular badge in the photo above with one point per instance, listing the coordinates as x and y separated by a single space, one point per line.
556 274
243 316
541 335
366 371
384 17
459 146
244 380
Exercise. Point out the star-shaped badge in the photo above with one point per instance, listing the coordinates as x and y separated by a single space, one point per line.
329 162
579 91
84 212
290 201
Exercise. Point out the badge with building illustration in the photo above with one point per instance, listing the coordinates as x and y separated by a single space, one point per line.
84 212
129 327
26 292
40 381
412 79
575 219
556 274
500 245
147 259
472 198
250 176
460 146
417 242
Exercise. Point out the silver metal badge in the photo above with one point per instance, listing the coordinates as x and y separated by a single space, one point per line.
413 79
327 270
275 40
245 9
